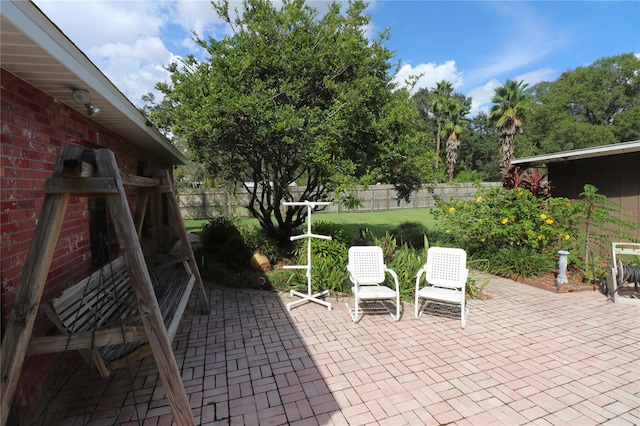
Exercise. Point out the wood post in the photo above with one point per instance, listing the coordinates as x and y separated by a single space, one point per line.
143 290
109 183
141 211
29 293
186 245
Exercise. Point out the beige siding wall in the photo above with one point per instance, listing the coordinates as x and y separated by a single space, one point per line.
615 176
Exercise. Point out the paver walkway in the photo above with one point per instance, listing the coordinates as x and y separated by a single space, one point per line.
527 356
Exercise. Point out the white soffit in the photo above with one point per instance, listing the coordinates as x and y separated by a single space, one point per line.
34 49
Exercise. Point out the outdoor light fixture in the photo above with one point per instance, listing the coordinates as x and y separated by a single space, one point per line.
83 97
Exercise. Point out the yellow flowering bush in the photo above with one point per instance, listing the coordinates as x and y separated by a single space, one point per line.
507 218
526 231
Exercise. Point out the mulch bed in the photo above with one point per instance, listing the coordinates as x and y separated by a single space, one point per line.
548 282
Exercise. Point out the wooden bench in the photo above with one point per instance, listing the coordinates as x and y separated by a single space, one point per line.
100 316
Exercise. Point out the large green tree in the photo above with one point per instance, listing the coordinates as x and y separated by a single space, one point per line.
478 154
435 107
291 97
593 105
507 113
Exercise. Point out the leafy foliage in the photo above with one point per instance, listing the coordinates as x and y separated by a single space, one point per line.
224 243
530 179
442 114
328 260
257 240
598 104
478 153
223 239
515 233
508 112
602 218
499 218
454 128
412 234
514 262
291 98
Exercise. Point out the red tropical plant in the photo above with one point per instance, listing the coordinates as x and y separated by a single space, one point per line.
532 180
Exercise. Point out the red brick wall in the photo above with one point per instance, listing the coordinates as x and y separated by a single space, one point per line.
34 126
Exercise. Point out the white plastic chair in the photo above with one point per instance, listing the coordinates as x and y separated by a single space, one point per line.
367 273
445 280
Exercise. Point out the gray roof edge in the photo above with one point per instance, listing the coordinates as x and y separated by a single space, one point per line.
30 19
576 154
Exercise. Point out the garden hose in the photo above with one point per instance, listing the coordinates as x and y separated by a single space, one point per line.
626 273
631 274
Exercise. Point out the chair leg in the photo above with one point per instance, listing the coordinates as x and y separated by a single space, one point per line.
418 312
353 313
464 312
397 316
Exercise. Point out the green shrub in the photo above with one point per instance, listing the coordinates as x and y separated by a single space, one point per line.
438 238
603 220
502 222
222 242
257 241
404 260
335 231
514 262
410 233
499 218
328 260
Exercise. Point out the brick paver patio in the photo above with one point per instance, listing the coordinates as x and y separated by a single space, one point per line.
527 356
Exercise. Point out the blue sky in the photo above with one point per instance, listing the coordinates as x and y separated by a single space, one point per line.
475 45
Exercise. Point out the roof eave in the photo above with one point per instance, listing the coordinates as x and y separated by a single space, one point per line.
29 20
578 154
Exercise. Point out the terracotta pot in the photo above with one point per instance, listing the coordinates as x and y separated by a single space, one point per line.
260 262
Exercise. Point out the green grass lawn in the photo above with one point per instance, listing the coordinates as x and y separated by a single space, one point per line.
195 225
377 222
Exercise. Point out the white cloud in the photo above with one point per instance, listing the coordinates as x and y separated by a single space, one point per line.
123 39
201 18
481 97
95 23
133 68
536 76
430 74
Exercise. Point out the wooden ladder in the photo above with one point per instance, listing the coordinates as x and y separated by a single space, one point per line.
108 182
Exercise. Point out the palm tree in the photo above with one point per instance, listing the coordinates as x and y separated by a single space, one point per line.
507 113
453 130
442 93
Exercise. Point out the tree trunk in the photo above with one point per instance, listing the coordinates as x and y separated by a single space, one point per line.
506 150
438 145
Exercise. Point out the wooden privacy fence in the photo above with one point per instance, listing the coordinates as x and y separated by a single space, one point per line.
206 203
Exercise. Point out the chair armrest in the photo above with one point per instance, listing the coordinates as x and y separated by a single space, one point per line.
422 270
395 277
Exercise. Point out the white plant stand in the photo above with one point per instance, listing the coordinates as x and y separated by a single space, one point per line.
309 296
